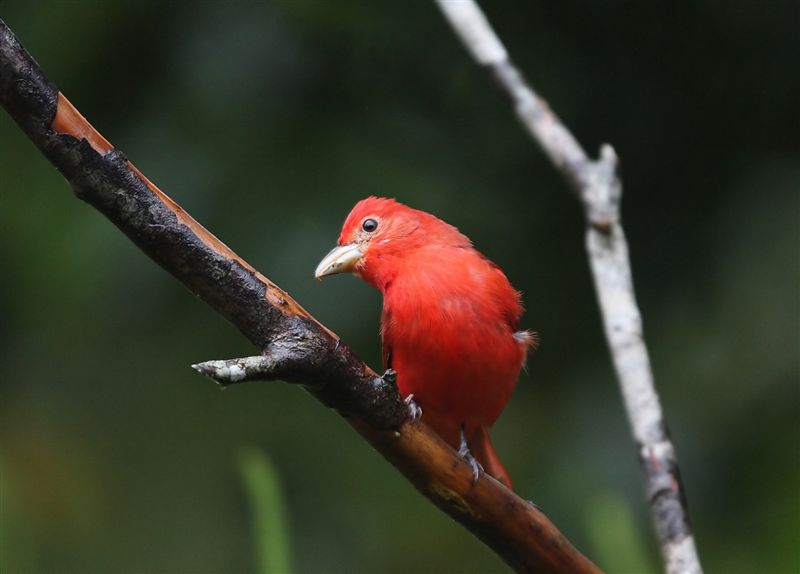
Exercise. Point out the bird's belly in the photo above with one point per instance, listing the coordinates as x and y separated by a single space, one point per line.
459 376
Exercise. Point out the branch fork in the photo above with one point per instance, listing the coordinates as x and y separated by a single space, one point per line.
601 190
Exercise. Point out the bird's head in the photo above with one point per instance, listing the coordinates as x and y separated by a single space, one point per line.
380 232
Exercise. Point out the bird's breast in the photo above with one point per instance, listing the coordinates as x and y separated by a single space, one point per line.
452 344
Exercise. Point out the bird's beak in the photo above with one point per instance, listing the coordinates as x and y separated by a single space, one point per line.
341 259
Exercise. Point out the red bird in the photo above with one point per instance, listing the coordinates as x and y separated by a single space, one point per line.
450 321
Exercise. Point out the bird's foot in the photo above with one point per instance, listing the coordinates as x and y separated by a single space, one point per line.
414 410
390 376
463 452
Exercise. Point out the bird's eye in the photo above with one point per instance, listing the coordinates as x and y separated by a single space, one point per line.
369 225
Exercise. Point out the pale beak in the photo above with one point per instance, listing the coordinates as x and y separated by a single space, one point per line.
341 259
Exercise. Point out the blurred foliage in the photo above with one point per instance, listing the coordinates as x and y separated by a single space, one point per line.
270 530
615 540
267 121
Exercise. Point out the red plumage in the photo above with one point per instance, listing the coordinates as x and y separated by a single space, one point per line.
450 321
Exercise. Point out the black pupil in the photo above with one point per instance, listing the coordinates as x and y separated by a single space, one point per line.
369 225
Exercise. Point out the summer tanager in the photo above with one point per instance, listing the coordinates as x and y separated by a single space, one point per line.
450 321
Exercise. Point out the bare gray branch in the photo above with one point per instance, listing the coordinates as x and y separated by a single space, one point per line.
599 189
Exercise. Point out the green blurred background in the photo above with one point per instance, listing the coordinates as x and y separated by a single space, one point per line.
267 121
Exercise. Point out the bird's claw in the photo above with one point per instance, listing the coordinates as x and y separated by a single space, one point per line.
463 452
390 376
476 467
414 410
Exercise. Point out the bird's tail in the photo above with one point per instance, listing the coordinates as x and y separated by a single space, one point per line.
481 448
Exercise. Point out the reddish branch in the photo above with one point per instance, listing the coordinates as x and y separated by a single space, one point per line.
299 348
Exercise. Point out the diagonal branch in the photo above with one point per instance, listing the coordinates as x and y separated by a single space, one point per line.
599 189
296 347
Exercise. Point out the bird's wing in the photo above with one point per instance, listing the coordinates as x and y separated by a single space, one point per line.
508 299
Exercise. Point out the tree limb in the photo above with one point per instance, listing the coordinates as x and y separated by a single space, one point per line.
599 189
297 347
